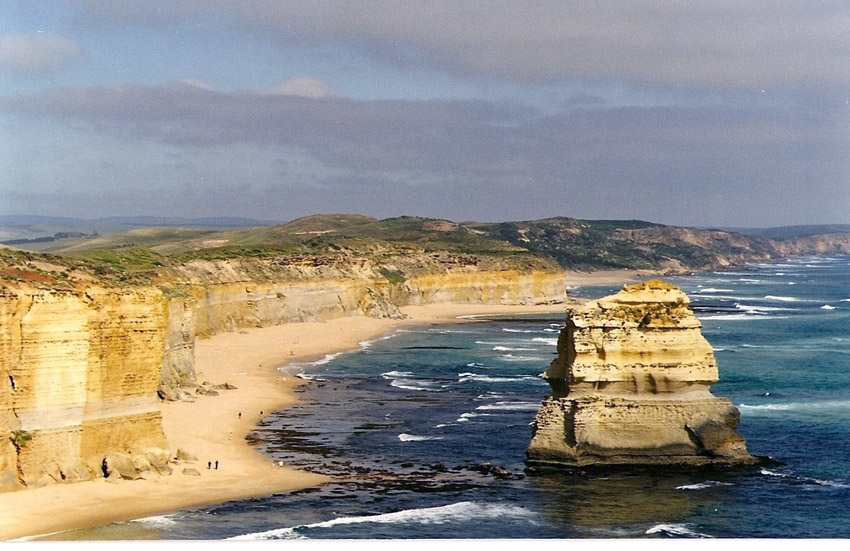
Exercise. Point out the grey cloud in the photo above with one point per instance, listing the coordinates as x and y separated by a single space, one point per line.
34 53
472 159
798 46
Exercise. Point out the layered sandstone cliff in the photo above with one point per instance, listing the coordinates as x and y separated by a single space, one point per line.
78 377
631 385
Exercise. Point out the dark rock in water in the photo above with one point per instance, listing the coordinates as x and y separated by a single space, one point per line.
500 472
439 468
484 468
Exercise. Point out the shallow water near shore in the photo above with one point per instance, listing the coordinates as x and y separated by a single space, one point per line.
428 428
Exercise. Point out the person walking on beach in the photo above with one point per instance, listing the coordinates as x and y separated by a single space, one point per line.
209 464
216 464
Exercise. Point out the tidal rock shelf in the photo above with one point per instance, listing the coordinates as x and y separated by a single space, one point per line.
631 386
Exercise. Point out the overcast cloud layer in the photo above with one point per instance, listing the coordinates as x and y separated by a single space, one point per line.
721 113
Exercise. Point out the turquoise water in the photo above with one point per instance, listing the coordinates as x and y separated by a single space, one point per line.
413 419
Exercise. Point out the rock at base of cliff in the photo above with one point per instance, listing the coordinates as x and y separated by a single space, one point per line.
158 465
189 471
183 455
121 465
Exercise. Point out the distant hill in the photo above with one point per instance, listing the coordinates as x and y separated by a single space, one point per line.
789 232
38 232
572 243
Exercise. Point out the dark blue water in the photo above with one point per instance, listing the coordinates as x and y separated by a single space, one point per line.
416 425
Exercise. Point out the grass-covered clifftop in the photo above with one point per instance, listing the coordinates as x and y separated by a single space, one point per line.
405 246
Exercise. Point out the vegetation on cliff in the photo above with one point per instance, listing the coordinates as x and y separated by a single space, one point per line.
399 247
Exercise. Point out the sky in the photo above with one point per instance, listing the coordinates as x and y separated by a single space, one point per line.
723 113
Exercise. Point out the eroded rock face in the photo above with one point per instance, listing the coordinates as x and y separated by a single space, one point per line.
631 385
78 377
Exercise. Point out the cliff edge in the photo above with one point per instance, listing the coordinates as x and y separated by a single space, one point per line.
631 385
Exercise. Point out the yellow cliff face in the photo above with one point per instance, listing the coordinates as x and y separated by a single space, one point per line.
631 385
81 371
508 287
84 364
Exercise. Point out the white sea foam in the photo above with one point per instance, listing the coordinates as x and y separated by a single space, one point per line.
463 512
509 330
819 406
713 290
782 299
309 377
827 307
464 417
328 358
509 406
512 349
512 358
365 345
414 384
549 341
157 521
676 530
404 437
740 317
467 377
761 309
396 374
704 485
809 479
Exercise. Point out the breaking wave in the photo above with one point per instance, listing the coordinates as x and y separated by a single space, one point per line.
704 485
404 437
806 479
509 406
465 511
676 531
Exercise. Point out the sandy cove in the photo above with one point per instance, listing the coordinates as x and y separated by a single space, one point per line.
212 429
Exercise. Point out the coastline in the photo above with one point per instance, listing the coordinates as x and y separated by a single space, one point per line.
212 429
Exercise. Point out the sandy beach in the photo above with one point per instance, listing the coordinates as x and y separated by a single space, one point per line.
213 428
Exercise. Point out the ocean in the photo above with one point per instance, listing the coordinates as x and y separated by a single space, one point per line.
427 429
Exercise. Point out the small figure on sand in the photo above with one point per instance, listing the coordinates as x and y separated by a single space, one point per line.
240 415
209 464
105 468
216 464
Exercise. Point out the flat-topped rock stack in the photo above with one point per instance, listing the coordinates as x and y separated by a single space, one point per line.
631 385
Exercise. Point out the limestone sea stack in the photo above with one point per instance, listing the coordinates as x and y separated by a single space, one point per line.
631 386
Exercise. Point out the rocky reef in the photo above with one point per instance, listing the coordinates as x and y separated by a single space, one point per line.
631 386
